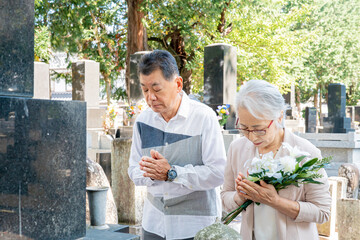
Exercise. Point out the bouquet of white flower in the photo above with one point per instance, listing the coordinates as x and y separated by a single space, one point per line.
294 169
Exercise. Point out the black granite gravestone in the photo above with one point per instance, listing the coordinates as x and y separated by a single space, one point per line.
16 57
337 122
310 119
357 113
220 78
42 143
134 81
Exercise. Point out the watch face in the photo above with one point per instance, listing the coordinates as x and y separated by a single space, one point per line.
172 174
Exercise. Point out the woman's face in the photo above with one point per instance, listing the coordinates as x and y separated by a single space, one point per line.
249 122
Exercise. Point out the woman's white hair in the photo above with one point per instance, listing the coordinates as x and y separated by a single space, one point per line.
262 99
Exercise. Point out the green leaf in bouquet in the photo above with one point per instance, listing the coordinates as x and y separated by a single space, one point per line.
309 163
299 159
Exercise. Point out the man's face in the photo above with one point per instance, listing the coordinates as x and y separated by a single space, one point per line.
161 95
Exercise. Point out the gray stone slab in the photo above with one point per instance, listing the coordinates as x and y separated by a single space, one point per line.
116 231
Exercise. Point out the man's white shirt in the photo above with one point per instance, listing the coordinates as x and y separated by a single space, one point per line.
192 142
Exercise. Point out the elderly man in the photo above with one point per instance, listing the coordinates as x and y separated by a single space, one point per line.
177 152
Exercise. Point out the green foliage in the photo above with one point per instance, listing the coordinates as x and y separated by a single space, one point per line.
42 50
306 42
264 40
330 56
184 28
94 30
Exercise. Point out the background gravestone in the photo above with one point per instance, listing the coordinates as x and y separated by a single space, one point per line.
16 57
337 122
134 81
85 82
220 78
310 119
42 142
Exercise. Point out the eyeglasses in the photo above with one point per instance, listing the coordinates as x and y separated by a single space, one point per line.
246 132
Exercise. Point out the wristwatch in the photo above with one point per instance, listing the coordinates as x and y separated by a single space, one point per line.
171 174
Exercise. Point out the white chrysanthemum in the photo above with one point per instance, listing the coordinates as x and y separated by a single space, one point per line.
295 151
272 169
288 163
256 166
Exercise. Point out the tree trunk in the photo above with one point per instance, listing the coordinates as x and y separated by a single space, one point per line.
107 88
178 46
136 36
320 105
316 104
298 100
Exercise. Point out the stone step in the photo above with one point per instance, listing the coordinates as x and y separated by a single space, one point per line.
115 231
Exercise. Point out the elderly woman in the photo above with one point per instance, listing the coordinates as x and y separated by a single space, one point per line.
290 213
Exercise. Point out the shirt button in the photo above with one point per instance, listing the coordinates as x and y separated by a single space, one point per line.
166 143
166 207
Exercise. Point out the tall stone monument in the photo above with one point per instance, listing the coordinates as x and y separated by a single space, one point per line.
337 122
42 142
220 78
310 119
134 81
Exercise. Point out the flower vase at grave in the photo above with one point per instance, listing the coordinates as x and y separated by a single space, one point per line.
97 206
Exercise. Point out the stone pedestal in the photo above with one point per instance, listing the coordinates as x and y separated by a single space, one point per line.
337 191
134 81
85 82
41 80
220 78
129 198
348 215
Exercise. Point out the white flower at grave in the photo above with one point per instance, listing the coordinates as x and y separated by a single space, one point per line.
288 163
268 163
295 151
273 167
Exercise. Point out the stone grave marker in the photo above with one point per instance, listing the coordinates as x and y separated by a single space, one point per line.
337 122
220 78
310 119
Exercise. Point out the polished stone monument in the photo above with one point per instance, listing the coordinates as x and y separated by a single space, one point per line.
135 93
220 78
16 57
310 119
42 143
337 122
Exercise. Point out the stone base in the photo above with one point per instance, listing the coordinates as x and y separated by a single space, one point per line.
348 216
228 138
115 231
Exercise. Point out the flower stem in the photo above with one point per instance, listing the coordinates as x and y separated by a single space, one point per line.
228 218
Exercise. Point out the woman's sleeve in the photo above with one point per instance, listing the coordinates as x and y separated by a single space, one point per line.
316 207
228 191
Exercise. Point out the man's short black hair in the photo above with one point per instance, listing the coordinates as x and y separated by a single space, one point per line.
159 59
